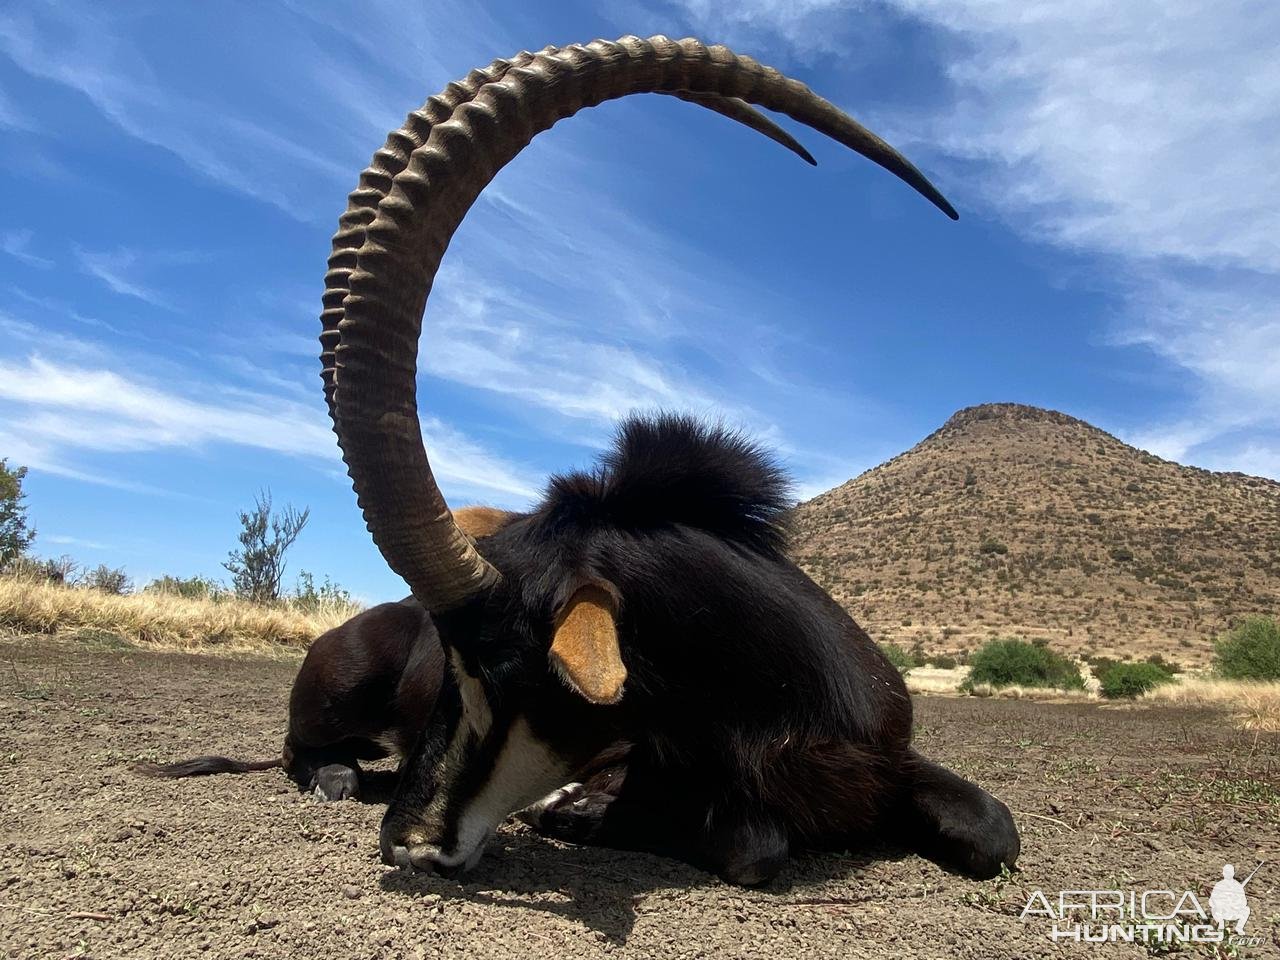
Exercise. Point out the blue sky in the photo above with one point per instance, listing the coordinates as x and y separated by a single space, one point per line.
174 172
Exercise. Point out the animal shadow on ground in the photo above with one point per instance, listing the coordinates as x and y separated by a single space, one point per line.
601 888
377 786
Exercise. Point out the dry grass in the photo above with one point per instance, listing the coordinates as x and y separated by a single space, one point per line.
1015 692
161 621
1254 705
935 680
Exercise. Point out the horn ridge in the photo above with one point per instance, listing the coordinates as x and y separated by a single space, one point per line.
391 159
375 358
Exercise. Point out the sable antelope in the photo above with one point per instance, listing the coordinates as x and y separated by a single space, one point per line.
648 603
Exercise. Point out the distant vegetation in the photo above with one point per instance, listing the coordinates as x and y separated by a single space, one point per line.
901 660
47 595
1132 679
1251 651
159 619
257 568
1012 662
15 534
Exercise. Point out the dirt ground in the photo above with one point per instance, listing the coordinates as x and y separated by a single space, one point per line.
96 862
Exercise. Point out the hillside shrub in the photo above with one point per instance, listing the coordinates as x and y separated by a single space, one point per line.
901 660
106 579
1168 666
50 570
1012 662
1132 679
1249 651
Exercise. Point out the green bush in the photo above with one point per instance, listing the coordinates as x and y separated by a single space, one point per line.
1007 663
1168 666
1250 651
901 660
1132 679
942 662
1101 664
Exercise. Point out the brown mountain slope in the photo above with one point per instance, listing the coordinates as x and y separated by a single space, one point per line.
1016 521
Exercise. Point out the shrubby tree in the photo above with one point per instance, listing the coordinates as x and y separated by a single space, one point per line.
106 579
1250 651
257 568
15 535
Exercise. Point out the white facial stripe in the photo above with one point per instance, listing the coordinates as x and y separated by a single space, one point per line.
525 770
475 706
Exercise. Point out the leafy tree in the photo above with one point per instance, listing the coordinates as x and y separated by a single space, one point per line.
15 535
257 568
1250 651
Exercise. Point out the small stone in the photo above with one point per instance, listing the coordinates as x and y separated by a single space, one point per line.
352 892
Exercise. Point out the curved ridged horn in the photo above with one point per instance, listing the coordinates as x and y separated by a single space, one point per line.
376 356
375 180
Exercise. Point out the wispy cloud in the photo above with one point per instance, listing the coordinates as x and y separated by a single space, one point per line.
10 115
66 408
50 306
113 268
63 540
1143 132
17 244
80 46
316 104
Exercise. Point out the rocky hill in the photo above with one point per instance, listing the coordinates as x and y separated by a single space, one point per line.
1016 521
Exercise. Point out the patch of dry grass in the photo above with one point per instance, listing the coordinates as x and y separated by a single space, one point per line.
1015 692
1254 705
160 620
935 680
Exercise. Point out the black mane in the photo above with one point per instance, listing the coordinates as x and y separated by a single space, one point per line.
672 469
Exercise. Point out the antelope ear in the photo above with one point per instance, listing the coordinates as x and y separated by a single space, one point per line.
585 649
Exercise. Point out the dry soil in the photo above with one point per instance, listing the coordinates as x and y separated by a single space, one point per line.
96 862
